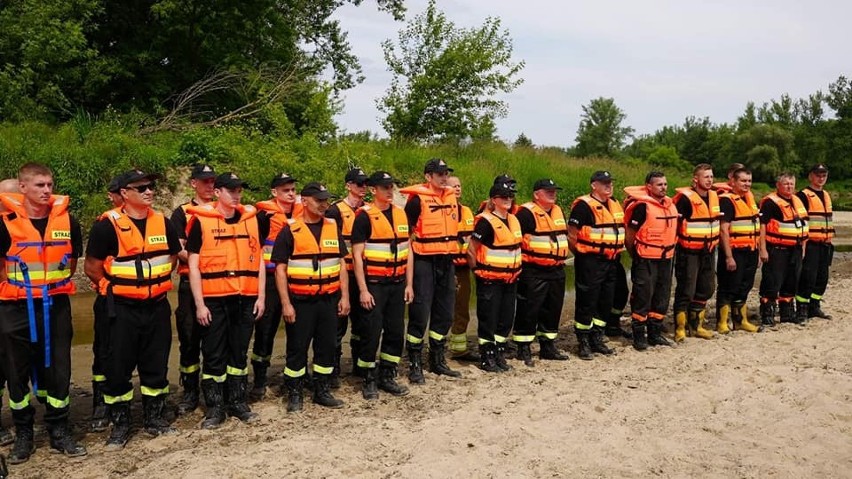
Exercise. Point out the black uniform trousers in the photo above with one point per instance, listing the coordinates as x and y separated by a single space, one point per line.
652 288
780 275
354 317
100 339
23 361
316 321
541 294
140 337
434 298
188 329
735 285
595 279
696 279
814 277
495 309
225 341
267 326
386 321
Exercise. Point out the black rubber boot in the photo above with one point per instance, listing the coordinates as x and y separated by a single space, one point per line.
99 421
525 354
767 314
613 326
152 416
119 416
334 377
787 312
597 342
61 440
370 391
191 393
584 345
258 388
24 446
295 395
655 333
238 399
6 437
815 311
437 361
549 352
415 365
802 310
214 398
640 335
501 357
488 355
322 394
387 380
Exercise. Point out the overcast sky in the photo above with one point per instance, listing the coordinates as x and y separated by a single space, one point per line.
661 60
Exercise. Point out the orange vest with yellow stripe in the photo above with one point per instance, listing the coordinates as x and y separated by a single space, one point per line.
792 229
820 217
744 229
182 267
386 250
657 236
699 232
606 236
314 267
347 217
142 269
230 254
548 244
437 228
277 219
465 230
36 263
502 260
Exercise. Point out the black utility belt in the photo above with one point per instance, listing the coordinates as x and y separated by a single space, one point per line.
310 298
135 302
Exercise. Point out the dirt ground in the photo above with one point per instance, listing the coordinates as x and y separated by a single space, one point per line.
774 404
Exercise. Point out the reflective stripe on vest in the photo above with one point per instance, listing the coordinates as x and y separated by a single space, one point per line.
465 230
386 250
182 267
701 230
657 236
142 268
230 254
606 236
792 230
502 260
314 268
277 219
347 216
437 228
548 244
744 229
820 217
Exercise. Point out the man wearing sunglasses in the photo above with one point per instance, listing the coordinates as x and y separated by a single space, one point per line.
130 257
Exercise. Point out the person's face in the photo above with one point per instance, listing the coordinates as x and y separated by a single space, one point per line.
786 187
229 197
285 193
741 183
357 189
502 203
314 206
139 193
658 187
437 180
704 179
455 184
818 179
37 189
602 189
546 197
382 194
203 188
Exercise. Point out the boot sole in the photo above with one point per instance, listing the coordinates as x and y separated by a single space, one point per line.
114 447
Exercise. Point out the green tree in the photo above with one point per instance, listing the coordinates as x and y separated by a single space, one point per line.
767 150
601 131
445 78
523 141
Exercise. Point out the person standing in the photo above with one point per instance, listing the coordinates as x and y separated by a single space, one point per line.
651 237
130 256
697 238
380 249
739 233
226 269
201 180
461 317
495 257
783 235
343 212
596 236
9 185
275 212
432 212
541 285
819 250
40 243
314 291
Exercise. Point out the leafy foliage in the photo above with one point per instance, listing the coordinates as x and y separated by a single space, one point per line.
601 131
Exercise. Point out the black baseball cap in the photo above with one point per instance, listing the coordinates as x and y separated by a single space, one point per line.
281 179
316 190
380 178
436 165
134 176
230 181
601 176
819 168
202 172
356 175
115 184
502 189
546 184
504 178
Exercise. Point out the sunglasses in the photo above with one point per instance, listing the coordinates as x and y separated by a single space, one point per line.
360 184
143 188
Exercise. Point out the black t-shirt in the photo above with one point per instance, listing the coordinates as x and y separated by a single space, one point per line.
412 211
283 248
526 219
819 193
103 242
362 229
194 238
638 216
582 215
727 208
484 232
179 220
40 225
769 211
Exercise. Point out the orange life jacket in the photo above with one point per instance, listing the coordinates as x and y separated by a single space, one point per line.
657 236
37 265
606 236
437 228
230 254
277 219
347 215
314 268
701 230
465 230
502 261
820 217
744 229
792 230
182 267
548 244
142 269
386 250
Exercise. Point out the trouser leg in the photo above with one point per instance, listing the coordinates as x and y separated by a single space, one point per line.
125 338
420 309
371 326
299 335
100 338
590 275
444 298
56 380
240 326
393 326
687 268
461 316
662 288
487 310
16 362
154 348
531 295
188 329
325 334
825 259
265 329
772 272
214 339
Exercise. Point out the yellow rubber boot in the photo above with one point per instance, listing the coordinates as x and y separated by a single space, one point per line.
700 330
680 326
744 324
723 313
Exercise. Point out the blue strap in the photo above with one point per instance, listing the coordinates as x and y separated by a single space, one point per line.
46 303
25 270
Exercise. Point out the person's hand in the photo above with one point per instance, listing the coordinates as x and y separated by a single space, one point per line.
288 312
259 308
367 301
731 264
409 294
343 307
203 316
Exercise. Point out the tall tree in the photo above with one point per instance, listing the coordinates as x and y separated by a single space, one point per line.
601 131
446 78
